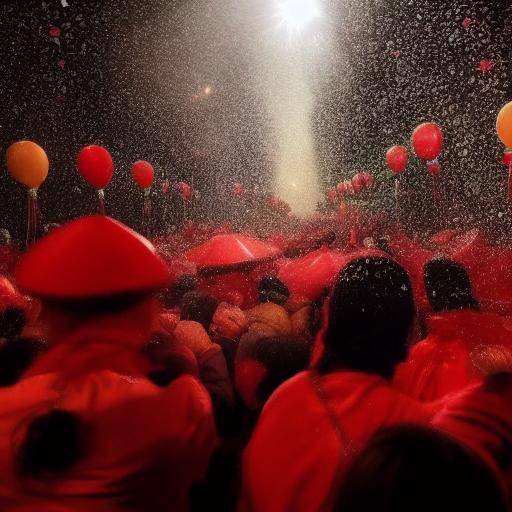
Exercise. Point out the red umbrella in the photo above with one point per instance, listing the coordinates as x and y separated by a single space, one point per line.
309 275
230 251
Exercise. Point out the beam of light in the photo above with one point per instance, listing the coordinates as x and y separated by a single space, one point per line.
296 14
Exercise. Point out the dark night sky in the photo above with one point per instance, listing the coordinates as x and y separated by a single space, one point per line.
133 67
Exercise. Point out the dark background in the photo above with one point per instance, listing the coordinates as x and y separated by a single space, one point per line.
134 72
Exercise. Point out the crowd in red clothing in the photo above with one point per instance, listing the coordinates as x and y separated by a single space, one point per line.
305 376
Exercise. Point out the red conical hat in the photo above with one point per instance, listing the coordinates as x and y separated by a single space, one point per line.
310 275
91 257
229 250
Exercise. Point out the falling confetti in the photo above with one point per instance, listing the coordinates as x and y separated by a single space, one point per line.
467 23
64 3
485 66
55 32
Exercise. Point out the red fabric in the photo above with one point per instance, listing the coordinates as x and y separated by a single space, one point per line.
231 249
91 257
441 364
149 444
481 419
294 454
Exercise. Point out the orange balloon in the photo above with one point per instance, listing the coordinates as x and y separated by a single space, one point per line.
28 164
504 125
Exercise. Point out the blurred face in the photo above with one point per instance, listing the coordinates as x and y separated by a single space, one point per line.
228 321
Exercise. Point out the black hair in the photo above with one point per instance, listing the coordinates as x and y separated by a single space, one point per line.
199 307
370 314
448 286
54 443
282 356
316 312
12 322
272 289
172 296
16 356
412 467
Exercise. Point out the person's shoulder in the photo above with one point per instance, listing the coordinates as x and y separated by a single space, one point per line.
291 391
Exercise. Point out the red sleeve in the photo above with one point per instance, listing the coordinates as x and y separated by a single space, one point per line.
481 419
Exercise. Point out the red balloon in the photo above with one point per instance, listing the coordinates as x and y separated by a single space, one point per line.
396 159
427 140
349 187
143 174
95 165
368 179
185 191
331 195
358 183
238 189
341 189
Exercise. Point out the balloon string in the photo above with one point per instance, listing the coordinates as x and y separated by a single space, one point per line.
509 195
146 213
32 217
101 201
397 200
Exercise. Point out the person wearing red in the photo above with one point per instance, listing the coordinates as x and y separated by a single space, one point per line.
315 424
312 426
85 429
443 362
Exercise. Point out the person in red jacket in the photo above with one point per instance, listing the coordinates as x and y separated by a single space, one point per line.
443 362
85 429
315 424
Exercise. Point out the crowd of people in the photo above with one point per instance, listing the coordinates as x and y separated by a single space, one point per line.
129 386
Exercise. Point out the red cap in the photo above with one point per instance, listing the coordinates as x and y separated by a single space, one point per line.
91 257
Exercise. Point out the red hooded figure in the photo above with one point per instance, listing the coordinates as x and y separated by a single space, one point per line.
312 427
85 429
443 362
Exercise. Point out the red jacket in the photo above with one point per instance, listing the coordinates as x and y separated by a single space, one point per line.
147 444
441 363
296 454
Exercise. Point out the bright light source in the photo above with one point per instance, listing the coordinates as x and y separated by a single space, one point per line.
296 14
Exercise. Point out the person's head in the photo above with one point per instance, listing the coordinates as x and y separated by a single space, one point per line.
272 289
412 467
369 317
199 307
172 296
228 322
448 286
94 270
263 363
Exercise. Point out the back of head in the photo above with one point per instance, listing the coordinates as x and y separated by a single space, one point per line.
272 289
173 295
411 467
448 286
370 314
199 307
